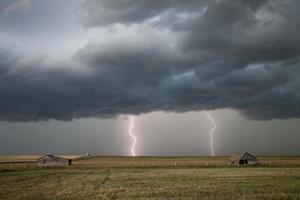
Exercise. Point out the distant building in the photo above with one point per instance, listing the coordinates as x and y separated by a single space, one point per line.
49 160
245 159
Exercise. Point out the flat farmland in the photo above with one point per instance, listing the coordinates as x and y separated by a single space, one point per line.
153 178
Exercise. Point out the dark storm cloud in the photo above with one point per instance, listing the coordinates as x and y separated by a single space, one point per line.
7 6
106 12
196 55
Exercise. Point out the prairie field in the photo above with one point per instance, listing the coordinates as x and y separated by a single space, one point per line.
152 178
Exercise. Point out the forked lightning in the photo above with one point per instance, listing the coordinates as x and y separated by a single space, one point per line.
130 131
211 132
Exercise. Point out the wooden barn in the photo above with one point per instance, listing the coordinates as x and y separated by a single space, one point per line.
245 159
52 161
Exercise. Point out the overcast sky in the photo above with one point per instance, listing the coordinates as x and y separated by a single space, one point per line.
72 71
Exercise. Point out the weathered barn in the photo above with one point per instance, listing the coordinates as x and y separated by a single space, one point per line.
245 159
51 160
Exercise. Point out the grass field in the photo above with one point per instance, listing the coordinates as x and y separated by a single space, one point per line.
153 178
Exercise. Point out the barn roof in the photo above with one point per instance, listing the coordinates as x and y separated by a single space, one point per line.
248 156
245 156
52 157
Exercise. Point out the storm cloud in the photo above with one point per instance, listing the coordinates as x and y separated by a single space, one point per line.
7 6
173 56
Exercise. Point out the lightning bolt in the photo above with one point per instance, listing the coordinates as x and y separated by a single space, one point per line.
130 131
211 132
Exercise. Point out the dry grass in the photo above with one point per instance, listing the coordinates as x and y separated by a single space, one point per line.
151 183
152 178
150 162
31 157
19 157
221 161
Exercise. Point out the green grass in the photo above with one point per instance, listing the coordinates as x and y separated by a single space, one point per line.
153 178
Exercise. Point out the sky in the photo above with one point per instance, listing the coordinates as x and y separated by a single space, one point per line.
73 71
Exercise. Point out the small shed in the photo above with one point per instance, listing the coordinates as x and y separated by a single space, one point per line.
49 160
245 159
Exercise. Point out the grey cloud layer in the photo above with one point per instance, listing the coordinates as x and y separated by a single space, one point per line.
7 6
186 55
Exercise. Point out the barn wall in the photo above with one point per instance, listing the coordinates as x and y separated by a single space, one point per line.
51 162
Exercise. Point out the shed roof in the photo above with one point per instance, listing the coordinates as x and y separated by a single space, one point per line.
248 156
52 157
245 156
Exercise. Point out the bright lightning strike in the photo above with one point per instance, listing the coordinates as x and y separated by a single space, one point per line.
130 131
211 132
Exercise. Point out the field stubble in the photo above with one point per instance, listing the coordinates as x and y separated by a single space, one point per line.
94 178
